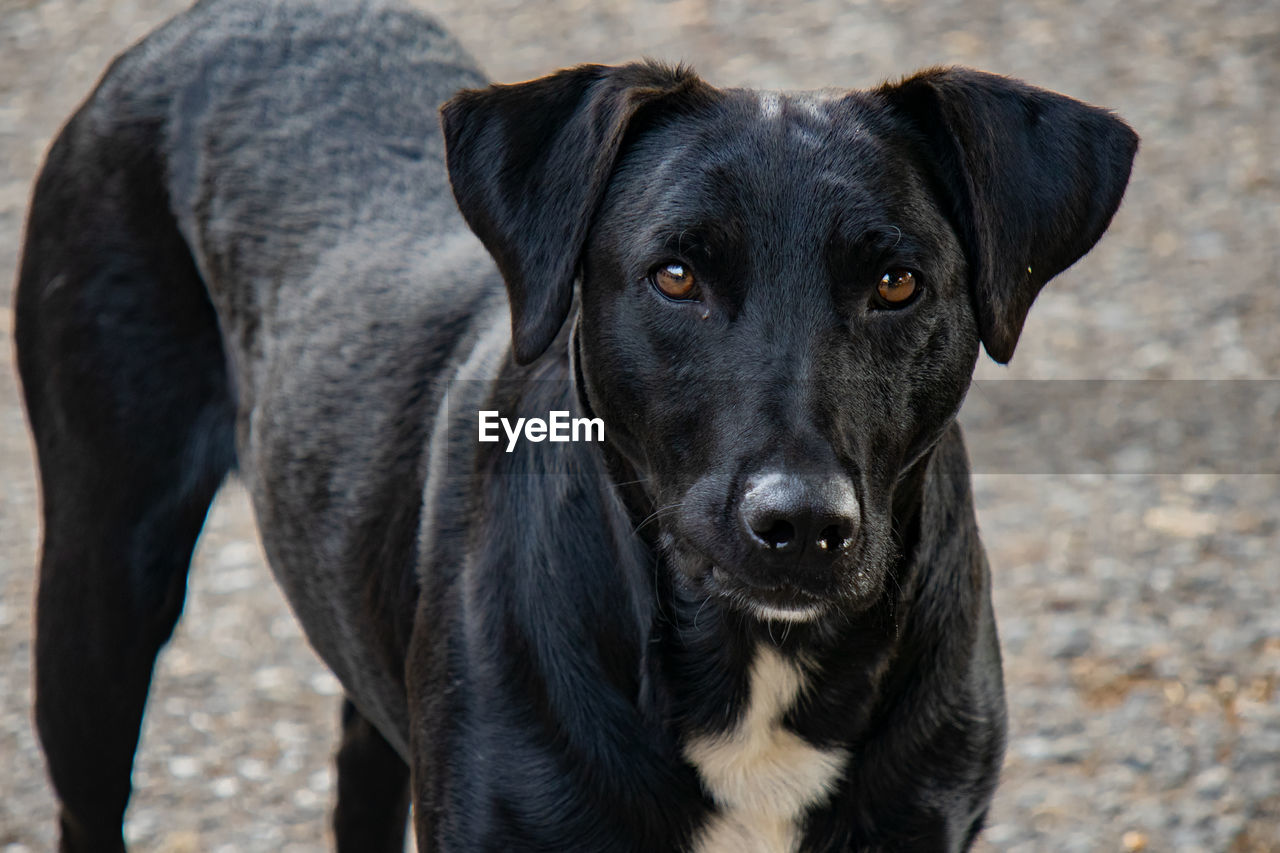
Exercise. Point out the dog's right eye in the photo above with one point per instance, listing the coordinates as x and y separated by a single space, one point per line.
675 281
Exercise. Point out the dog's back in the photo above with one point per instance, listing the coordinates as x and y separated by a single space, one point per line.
232 217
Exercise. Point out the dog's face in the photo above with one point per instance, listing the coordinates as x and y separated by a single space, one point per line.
781 296
775 323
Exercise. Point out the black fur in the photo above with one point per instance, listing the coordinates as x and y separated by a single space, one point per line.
242 251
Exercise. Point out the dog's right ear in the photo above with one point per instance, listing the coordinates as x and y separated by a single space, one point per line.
529 164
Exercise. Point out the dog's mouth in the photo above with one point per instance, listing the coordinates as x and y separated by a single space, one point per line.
782 602
792 598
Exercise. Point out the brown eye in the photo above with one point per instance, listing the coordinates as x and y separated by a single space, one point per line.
675 281
897 287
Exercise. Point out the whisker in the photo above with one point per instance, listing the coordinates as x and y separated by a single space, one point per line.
631 483
657 512
699 613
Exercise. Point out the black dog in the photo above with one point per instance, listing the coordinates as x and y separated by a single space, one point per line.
755 617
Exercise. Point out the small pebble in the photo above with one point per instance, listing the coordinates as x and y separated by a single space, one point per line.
1134 841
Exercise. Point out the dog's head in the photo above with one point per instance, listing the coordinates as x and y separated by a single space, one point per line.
782 296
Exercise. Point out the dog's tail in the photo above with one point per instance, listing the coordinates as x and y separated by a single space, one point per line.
127 391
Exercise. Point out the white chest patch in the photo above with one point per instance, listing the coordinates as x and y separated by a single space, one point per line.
762 776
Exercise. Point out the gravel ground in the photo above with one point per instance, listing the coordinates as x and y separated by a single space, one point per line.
1140 614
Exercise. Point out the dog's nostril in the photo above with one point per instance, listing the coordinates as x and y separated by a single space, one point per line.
777 535
833 537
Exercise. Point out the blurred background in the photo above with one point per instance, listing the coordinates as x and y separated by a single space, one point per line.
1139 612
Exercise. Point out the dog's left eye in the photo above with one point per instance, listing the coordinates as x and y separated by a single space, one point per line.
675 281
897 288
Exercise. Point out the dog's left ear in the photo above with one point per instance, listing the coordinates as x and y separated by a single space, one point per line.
1032 178
529 164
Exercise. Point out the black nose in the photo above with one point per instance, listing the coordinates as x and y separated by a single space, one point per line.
799 521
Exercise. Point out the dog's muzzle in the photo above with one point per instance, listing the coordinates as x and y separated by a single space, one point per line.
794 531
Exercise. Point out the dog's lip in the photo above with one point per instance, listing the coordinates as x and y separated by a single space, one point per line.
781 600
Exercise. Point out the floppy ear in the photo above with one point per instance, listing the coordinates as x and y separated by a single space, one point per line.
1032 177
529 164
